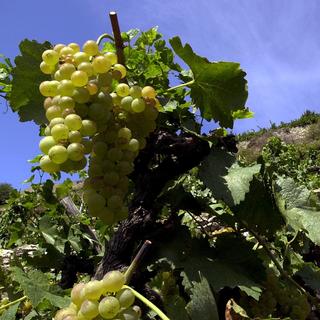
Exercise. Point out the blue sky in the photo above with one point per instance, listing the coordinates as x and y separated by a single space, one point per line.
277 43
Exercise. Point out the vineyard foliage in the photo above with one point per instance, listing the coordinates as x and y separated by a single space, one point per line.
229 240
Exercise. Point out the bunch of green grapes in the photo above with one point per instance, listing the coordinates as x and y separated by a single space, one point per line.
104 299
279 299
90 112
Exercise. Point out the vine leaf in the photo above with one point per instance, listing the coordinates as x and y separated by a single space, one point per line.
310 274
227 180
219 88
202 304
36 286
10 314
25 97
298 207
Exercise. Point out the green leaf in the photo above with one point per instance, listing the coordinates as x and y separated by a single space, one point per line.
219 88
227 180
10 314
36 286
25 97
310 274
242 114
202 304
299 208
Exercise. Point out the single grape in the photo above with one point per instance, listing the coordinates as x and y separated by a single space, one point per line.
55 121
120 68
93 290
91 48
112 57
115 154
101 64
66 70
47 102
66 51
100 148
47 131
126 103
111 178
133 145
46 68
116 100
75 151
75 136
126 298
104 79
67 111
50 57
63 313
60 132
73 122
115 202
89 308
113 281
125 133
53 112
122 89
81 109
46 143
109 307
57 76
47 165
80 57
58 47
66 88
81 95
124 167
66 102
79 78
92 88
58 154
148 92
88 128
138 105
129 314
74 46
49 88
135 92
77 294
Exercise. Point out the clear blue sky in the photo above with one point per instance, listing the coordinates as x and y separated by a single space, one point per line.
277 43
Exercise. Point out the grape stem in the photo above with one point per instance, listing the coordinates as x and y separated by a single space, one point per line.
13 302
182 85
136 261
104 36
148 303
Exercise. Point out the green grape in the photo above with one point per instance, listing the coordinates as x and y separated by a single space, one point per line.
88 128
49 88
133 145
66 88
53 112
123 183
128 155
126 298
60 132
101 64
142 143
122 213
148 92
108 165
66 70
111 178
92 87
120 68
58 47
126 103
122 89
125 133
105 99
113 281
86 67
135 92
91 48
100 148
115 154
129 315
107 216
137 309
79 78
93 290
80 57
116 100
46 68
66 51
104 79
58 154
66 103
124 167
81 109
87 145
71 317
96 201
151 113
77 294
47 131
47 102
81 95
75 136
46 143
56 100
50 57
98 111
112 57
138 105
74 46
75 151
89 308
67 111
57 76
109 307
55 121
115 202
63 313
47 165
73 122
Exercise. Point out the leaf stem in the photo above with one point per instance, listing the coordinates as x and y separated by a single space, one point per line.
137 259
13 302
148 303
104 36
181 85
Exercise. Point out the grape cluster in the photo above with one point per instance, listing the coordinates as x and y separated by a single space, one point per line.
104 299
90 111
